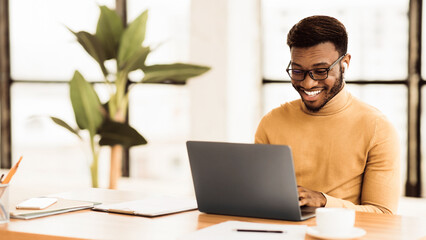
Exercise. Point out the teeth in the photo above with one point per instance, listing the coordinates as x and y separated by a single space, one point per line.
312 93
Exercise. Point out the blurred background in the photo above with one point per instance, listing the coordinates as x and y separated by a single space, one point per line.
244 42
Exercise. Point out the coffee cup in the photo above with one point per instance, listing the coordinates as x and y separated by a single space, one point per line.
335 221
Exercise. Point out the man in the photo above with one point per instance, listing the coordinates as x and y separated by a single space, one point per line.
346 153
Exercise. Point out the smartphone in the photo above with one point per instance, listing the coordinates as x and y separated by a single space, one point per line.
36 203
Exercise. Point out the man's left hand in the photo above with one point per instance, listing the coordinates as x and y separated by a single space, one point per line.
311 198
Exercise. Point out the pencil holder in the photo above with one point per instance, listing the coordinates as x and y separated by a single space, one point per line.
4 203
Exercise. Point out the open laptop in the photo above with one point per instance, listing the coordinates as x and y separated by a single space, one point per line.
252 180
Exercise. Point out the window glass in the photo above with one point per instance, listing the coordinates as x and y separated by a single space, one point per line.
277 94
378 53
48 149
167 28
41 46
423 143
161 114
43 49
423 67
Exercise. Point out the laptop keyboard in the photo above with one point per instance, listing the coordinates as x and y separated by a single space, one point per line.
307 211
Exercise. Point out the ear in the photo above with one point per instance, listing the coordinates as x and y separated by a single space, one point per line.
345 66
346 60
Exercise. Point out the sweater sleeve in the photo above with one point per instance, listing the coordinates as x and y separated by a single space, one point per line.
340 203
381 182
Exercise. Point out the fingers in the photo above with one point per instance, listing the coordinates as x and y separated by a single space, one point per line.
302 202
302 196
310 198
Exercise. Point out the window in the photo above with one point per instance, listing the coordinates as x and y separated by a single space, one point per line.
44 55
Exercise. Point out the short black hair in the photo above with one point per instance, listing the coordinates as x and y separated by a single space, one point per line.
318 29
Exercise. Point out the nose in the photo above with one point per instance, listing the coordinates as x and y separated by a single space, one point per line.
308 82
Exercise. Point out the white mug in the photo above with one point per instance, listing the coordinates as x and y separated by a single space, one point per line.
335 221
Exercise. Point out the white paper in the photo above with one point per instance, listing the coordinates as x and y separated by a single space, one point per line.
227 230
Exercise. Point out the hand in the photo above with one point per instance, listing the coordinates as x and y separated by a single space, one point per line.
310 198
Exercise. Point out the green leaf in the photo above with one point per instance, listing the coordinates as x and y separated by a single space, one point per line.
177 73
86 104
93 46
137 61
109 31
65 125
113 133
132 38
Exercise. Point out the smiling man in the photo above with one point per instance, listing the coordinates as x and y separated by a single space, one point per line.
346 153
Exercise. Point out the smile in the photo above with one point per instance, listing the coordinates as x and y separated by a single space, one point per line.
312 93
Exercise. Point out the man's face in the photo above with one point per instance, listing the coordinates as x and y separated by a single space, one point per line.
315 94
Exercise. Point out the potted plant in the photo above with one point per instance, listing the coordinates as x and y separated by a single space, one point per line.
106 122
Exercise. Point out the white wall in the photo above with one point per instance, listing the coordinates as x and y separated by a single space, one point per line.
225 103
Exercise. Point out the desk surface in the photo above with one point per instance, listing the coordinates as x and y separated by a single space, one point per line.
87 224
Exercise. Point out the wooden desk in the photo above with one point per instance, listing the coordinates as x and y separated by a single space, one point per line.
87 224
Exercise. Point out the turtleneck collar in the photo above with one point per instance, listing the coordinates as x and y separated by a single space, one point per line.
335 105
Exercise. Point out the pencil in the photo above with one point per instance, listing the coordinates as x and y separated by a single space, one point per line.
1 178
11 172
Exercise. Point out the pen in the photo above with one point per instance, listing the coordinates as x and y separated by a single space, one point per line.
11 172
260 231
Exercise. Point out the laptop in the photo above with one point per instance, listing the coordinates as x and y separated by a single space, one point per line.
251 180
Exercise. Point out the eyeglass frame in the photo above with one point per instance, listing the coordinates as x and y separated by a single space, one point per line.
310 71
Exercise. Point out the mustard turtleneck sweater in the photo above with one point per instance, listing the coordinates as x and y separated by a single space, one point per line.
348 151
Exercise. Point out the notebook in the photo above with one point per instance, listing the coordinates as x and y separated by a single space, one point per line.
61 206
252 180
151 206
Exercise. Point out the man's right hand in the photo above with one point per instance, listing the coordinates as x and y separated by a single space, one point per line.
311 198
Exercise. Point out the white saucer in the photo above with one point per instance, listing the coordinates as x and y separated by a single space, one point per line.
355 233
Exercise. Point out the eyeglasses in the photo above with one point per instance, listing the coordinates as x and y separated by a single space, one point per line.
316 73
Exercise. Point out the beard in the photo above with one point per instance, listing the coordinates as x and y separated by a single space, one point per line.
335 89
